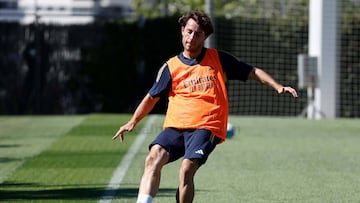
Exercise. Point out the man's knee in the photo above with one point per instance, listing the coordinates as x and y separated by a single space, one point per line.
156 158
188 168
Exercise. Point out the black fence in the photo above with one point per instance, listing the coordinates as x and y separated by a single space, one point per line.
109 67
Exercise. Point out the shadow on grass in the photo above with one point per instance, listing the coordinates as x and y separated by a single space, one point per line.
9 145
7 159
33 191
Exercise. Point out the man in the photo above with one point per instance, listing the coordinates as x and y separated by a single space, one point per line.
197 113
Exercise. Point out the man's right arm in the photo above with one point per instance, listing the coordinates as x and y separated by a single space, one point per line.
160 87
146 105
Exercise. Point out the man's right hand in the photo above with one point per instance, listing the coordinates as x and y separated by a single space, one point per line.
125 128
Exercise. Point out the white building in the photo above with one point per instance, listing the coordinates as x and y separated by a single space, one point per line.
63 11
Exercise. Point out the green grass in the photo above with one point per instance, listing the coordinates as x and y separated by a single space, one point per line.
270 159
23 137
288 160
75 168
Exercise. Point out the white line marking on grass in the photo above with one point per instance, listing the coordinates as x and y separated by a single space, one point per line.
122 168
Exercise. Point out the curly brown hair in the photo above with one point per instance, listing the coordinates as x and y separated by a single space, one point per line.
200 18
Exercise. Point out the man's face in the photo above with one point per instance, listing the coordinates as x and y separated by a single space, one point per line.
193 36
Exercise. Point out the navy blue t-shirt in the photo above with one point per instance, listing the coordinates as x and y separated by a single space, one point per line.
233 68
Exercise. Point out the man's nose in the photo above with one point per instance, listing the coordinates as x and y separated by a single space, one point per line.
192 36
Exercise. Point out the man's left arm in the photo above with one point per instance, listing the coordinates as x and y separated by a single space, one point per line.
264 78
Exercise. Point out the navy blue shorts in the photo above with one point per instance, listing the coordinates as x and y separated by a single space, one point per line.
189 144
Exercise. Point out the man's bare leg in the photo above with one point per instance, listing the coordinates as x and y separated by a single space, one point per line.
186 188
150 181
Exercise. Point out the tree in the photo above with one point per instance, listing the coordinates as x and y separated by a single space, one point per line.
227 8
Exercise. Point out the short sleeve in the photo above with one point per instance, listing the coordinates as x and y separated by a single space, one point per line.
162 82
233 68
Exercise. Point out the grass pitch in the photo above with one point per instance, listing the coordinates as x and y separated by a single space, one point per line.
23 137
270 159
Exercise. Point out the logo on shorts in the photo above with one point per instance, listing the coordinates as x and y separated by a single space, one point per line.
200 151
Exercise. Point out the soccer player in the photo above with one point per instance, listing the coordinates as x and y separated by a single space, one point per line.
197 112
